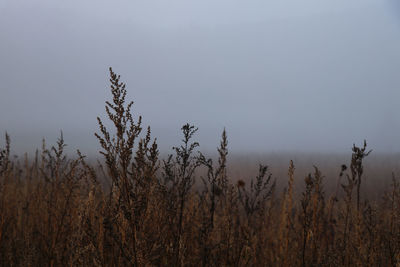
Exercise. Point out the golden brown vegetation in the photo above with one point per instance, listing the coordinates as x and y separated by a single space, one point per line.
54 211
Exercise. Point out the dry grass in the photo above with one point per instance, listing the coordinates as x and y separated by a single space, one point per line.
186 210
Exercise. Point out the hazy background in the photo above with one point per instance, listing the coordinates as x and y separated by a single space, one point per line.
280 75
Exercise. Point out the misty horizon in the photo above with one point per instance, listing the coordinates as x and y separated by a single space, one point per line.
282 77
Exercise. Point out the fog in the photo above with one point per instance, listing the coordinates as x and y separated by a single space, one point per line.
287 75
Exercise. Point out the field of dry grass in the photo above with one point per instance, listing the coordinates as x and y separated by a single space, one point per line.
190 210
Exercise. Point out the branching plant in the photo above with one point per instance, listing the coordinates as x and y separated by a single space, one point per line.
133 209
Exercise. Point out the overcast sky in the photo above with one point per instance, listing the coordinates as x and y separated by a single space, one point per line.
280 75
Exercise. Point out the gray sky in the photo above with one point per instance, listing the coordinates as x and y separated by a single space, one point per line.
280 75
